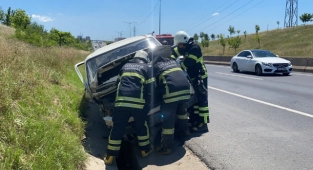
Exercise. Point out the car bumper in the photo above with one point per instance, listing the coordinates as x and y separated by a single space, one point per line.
272 69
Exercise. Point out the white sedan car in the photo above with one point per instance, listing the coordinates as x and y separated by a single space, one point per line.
260 62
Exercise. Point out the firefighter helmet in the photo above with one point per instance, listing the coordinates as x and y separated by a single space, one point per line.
181 37
141 54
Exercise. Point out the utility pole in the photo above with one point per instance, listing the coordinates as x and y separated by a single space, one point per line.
160 19
129 24
134 30
291 13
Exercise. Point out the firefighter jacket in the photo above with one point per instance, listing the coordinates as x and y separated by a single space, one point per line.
171 81
193 60
132 84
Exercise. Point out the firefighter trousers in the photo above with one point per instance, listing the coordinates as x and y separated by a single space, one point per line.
200 111
120 121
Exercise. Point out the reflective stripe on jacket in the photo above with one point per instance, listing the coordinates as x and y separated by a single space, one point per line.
171 80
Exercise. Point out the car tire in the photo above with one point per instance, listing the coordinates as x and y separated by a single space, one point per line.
258 70
286 74
235 68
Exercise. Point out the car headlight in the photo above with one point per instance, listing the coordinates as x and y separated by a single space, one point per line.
289 64
267 64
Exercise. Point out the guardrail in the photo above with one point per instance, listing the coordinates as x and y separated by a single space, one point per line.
298 64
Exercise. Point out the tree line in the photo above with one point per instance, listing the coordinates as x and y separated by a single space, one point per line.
235 42
36 34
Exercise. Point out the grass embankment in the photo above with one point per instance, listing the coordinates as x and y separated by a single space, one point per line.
40 98
293 42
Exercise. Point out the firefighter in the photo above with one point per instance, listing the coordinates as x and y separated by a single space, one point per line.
193 63
130 101
174 87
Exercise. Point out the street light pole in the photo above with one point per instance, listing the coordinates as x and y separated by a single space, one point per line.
160 19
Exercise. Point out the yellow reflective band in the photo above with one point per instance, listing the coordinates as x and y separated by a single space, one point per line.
115 142
204 76
147 128
196 112
138 106
144 143
177 93
203 108
177 99
193 57
205 119
142 79
150 80
183 66
173 57
183 117
176 51
171 70
124 98
143 137
204 114
168 131
195 106
114 148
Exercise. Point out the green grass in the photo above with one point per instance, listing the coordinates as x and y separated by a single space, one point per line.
290 42
40 104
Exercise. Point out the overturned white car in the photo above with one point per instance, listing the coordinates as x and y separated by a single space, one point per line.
102 67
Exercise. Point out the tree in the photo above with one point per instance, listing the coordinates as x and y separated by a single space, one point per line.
306 17
204 43
1 15
238 31
8 17
277 24
195 37
63 38
231 30
20 19
212 36
245 33
257 37
235 42
257 29
222 42
206 37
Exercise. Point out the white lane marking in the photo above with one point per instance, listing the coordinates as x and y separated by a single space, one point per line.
302 74
239 76
266 103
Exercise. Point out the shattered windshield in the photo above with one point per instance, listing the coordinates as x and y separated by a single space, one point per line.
95 63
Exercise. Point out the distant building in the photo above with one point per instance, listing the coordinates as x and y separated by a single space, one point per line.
88 38
80 37
118 39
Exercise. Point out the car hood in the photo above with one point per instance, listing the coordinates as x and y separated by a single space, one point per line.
272 60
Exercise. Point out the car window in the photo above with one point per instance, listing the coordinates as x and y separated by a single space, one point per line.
248 53
97 62
263 54
242 54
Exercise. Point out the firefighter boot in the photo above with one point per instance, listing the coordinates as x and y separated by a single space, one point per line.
166 145
108 160
147 152
200 127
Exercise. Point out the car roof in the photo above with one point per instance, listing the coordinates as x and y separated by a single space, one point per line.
115 45
255 50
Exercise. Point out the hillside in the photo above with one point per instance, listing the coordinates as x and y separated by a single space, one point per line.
296 42
40 105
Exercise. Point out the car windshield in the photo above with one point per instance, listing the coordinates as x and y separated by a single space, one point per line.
95 63
263 54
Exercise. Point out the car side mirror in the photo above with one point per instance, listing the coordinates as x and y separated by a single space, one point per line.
249 56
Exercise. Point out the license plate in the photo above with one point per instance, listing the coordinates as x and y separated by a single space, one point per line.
281 68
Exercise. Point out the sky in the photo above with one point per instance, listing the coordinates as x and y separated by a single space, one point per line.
108 19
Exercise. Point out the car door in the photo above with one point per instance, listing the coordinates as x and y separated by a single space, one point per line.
250 62
240 60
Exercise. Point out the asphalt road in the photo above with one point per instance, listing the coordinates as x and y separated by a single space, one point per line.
257 122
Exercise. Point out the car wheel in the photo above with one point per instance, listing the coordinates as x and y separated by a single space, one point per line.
235 68
286 74
258 70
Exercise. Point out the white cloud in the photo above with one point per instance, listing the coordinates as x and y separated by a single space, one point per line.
42 18
215 14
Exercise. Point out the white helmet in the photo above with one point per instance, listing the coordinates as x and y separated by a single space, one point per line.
141 54
181 37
